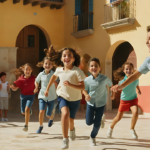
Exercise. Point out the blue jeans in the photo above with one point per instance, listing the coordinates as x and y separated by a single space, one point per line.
50 106
94 116
26 101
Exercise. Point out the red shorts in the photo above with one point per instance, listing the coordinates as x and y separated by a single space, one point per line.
125 105
83 102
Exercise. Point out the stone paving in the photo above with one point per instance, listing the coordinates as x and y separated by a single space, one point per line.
13 138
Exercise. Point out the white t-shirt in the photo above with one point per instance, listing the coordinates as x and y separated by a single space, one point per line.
3 91
74 76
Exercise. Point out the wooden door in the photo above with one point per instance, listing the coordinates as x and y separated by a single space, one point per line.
28 47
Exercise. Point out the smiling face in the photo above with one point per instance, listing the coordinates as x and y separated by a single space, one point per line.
148 40
128 70
94 68
27 71
3 78
47 65
67 58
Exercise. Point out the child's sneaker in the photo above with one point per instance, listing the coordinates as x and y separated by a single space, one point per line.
40 129
65 144
25 128
2 119
109 132
72 135
133 134
50 123
5 119
93 141
103 121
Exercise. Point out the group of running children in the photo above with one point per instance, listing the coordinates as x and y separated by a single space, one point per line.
72 84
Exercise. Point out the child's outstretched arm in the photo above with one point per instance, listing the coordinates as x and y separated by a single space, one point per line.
131 79
36 87
14 87
138 89
87 96
52 80
80 86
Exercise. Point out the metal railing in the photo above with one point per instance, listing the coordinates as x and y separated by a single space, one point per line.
119 9
83 21
55 0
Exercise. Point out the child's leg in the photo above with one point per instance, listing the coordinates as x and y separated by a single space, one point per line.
41 117
90 115
116 119
1 113
134 110
97 120
5 112
65 120
27 115
50 107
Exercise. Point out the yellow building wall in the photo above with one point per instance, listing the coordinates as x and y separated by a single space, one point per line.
95 45
14 17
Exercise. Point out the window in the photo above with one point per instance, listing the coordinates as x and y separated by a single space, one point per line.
83 18
30 40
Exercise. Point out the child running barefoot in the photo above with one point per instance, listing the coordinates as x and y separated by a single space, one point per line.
128 99
69 89
4 90
44 78
26 85
96 96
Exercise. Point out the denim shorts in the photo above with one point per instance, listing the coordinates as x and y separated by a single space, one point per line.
72 105
26 101
50 106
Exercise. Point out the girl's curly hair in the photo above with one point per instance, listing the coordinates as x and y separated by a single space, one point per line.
119 74
55 56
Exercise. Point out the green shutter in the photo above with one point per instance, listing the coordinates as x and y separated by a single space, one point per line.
77 7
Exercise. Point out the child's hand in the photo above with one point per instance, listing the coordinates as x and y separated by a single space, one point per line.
46 93
139 92
66 83
87 98
12 86
114 88
35 90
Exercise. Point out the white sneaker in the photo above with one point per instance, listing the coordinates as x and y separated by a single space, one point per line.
103 121
5 119
133 134
72 135
2 119
109 132
65 143
93 141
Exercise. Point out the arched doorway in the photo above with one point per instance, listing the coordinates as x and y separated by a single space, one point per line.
124 52
31 42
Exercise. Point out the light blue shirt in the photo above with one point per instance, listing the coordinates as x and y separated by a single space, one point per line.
44 78
129 92
96 88
145 67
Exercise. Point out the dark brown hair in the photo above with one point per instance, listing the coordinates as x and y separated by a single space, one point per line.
94 59
148 28
119 74
55 56
20 71
2 74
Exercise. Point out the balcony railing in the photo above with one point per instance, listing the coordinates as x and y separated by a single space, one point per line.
83 21
118 10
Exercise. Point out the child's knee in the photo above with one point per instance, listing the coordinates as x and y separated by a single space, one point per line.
65 114
27 109
42 111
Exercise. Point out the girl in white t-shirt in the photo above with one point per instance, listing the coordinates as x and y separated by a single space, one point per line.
69 88
4 89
